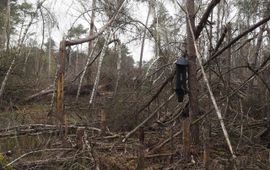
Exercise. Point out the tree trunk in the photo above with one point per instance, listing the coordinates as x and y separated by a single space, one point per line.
7 27
192 72
84 72
4 82
50 51
60 88
91 42
228 64
99 70
143 38
119 62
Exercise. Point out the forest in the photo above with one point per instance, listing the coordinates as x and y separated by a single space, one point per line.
134 84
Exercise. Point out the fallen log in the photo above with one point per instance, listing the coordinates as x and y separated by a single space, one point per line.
39 129
69 90
39 94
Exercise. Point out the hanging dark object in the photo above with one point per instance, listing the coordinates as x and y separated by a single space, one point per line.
181 78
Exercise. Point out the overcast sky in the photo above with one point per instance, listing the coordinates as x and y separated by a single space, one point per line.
67 11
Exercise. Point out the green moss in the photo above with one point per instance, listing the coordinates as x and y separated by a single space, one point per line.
3 163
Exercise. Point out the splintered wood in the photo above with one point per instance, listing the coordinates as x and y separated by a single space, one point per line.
60 86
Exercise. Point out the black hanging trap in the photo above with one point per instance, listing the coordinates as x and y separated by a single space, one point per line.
181 78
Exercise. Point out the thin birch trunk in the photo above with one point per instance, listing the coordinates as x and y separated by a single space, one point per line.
7 25
144 35
99 69
50 51
91 42
54 90
30 23
4 82
92 26
84 72
77 62
7 31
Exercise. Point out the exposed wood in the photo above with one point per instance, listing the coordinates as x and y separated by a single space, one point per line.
60 87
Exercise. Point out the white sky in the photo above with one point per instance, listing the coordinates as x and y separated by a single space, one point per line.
66 12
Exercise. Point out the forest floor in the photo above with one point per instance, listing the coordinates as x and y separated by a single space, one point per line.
30 140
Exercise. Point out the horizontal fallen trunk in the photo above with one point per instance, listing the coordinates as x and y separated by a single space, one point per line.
43 164
69 90
38 129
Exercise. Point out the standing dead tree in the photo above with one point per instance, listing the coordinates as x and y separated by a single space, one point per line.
60 78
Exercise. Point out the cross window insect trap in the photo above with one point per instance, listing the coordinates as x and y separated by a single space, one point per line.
181 78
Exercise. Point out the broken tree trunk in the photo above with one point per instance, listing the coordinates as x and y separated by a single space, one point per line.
60 87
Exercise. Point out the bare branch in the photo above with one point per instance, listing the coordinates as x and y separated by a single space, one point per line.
205 16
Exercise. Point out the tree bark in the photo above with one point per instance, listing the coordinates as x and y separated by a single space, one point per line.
119 62
50 50
143 38
205 16
7 27
92 25
99 70
83 73
60 87
4 82
91 42
192 72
